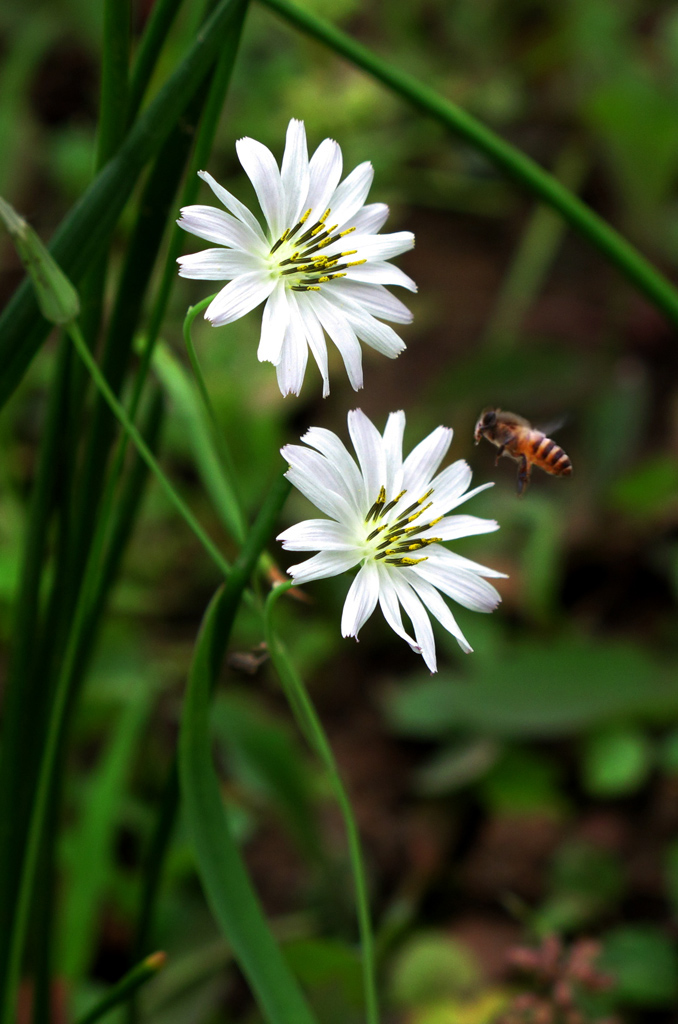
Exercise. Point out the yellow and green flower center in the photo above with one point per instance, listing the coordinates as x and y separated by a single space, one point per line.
297 255
394 539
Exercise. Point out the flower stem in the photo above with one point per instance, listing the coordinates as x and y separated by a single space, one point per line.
311 727
144 450
522 168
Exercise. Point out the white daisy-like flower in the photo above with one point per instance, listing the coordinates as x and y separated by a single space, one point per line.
319 263
389 516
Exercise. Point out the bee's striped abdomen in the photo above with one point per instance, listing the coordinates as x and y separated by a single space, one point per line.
549 456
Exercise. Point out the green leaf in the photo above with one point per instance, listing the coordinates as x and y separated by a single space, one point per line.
264 756
328 965
529 690
616 761
644 963
227 885
586 882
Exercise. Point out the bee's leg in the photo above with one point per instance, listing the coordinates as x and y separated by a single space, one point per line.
499 454
523 475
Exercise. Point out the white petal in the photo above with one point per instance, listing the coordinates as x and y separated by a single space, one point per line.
390 606
373 247
369 447
423 461
449 560
260 167
393 450
315 338
238 298
375 299
351 194
361 600
217 264
380 272
323 565
316 478
343 336
418 617
370 219
291 367
439 609
450 485
448 503
453 527
378 336
317 535
218 226
329 445
294 171
467 588
235 207
324 174
273 325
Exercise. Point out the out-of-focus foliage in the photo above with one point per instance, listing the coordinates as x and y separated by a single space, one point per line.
531 786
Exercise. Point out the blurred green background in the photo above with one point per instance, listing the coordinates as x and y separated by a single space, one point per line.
533 785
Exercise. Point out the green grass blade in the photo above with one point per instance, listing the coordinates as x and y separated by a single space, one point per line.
24 704
186 401
227 885
114 78
146 454
126 987
91 850
155 33
83 234
515 163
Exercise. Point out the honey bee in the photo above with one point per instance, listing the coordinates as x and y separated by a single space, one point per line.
518 439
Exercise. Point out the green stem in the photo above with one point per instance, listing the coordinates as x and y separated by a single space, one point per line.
228 473
126 987
145 452
522 168
312 729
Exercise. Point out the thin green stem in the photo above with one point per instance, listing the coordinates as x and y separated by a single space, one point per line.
236 516
312 729
522 168
145 452
126 987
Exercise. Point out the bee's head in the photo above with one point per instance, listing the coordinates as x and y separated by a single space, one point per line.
488 420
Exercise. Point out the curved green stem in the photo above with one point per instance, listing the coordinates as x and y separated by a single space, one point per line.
312 729
145 452
522 168
235 515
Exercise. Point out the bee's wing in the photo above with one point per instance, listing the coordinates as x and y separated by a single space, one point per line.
552 426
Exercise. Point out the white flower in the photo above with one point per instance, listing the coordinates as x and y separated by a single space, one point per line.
389 517
319 263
